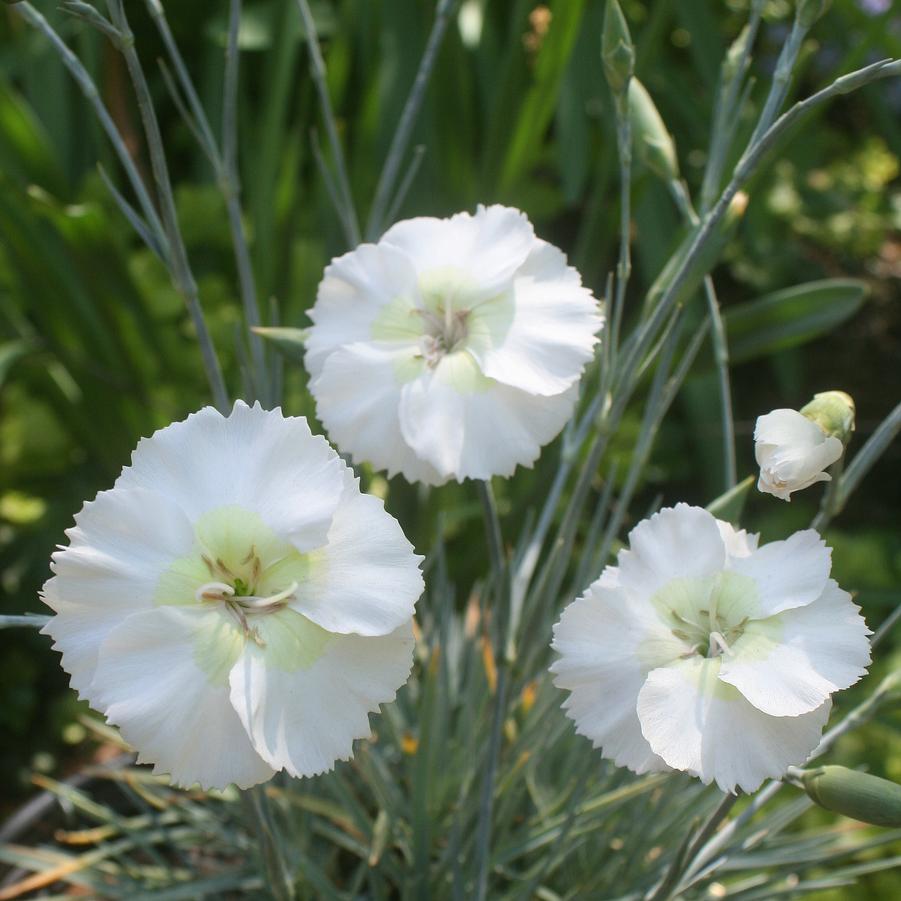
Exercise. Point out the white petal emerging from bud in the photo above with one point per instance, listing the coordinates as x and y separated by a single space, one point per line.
792 452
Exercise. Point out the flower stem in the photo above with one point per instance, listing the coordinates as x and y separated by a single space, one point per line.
829 504
401 137
348 213
503 656
624 267
230 181
751 159
668 887
278 876
720 343
864 459
177 257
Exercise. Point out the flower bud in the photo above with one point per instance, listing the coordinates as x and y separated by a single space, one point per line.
833 412
617 52
653 142
792 451
860 796
735 54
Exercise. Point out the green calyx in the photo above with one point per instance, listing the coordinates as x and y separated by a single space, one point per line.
833 412
617 51
860 796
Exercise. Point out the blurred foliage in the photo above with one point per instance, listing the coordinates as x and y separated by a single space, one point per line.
97 350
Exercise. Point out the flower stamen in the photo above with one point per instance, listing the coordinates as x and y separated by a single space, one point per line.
214 591
251 602
718 644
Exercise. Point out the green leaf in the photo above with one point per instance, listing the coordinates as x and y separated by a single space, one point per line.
728 506
289 341
791 317
540 102
10 353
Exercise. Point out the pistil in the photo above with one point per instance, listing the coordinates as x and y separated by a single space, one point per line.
242 605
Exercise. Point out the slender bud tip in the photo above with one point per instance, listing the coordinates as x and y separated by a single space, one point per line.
617 51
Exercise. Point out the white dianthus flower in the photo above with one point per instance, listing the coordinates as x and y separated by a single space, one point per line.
452 348
792 452
234 603
702 652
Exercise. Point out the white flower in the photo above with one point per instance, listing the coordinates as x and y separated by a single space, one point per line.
234 603
702 652
792 452
451 349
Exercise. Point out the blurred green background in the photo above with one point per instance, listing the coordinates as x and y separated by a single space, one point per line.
96 348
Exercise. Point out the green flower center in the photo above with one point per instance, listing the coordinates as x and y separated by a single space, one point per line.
239 567
710 614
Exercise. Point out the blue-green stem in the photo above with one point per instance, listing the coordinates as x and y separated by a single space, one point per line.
92 95
867 456
624 267
747 165
729 105
224 164
669 883
785 67
179 267
402 133
720 347
279 879
230 181
348 214
501 615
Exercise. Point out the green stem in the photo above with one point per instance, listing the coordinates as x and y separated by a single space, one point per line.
224 164
624 267
92 95
503 656
721 840
828 506
682 863
747 165
721 358
317 70
728 111
408 117
720 346
231 187
263 827
179 267
867 456
785 67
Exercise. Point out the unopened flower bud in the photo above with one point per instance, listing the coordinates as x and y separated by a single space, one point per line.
833 412
653 142
617 52
792 451
735 54
860 796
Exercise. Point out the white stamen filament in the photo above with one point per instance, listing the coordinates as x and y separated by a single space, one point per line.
214 591
717 643
253 602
